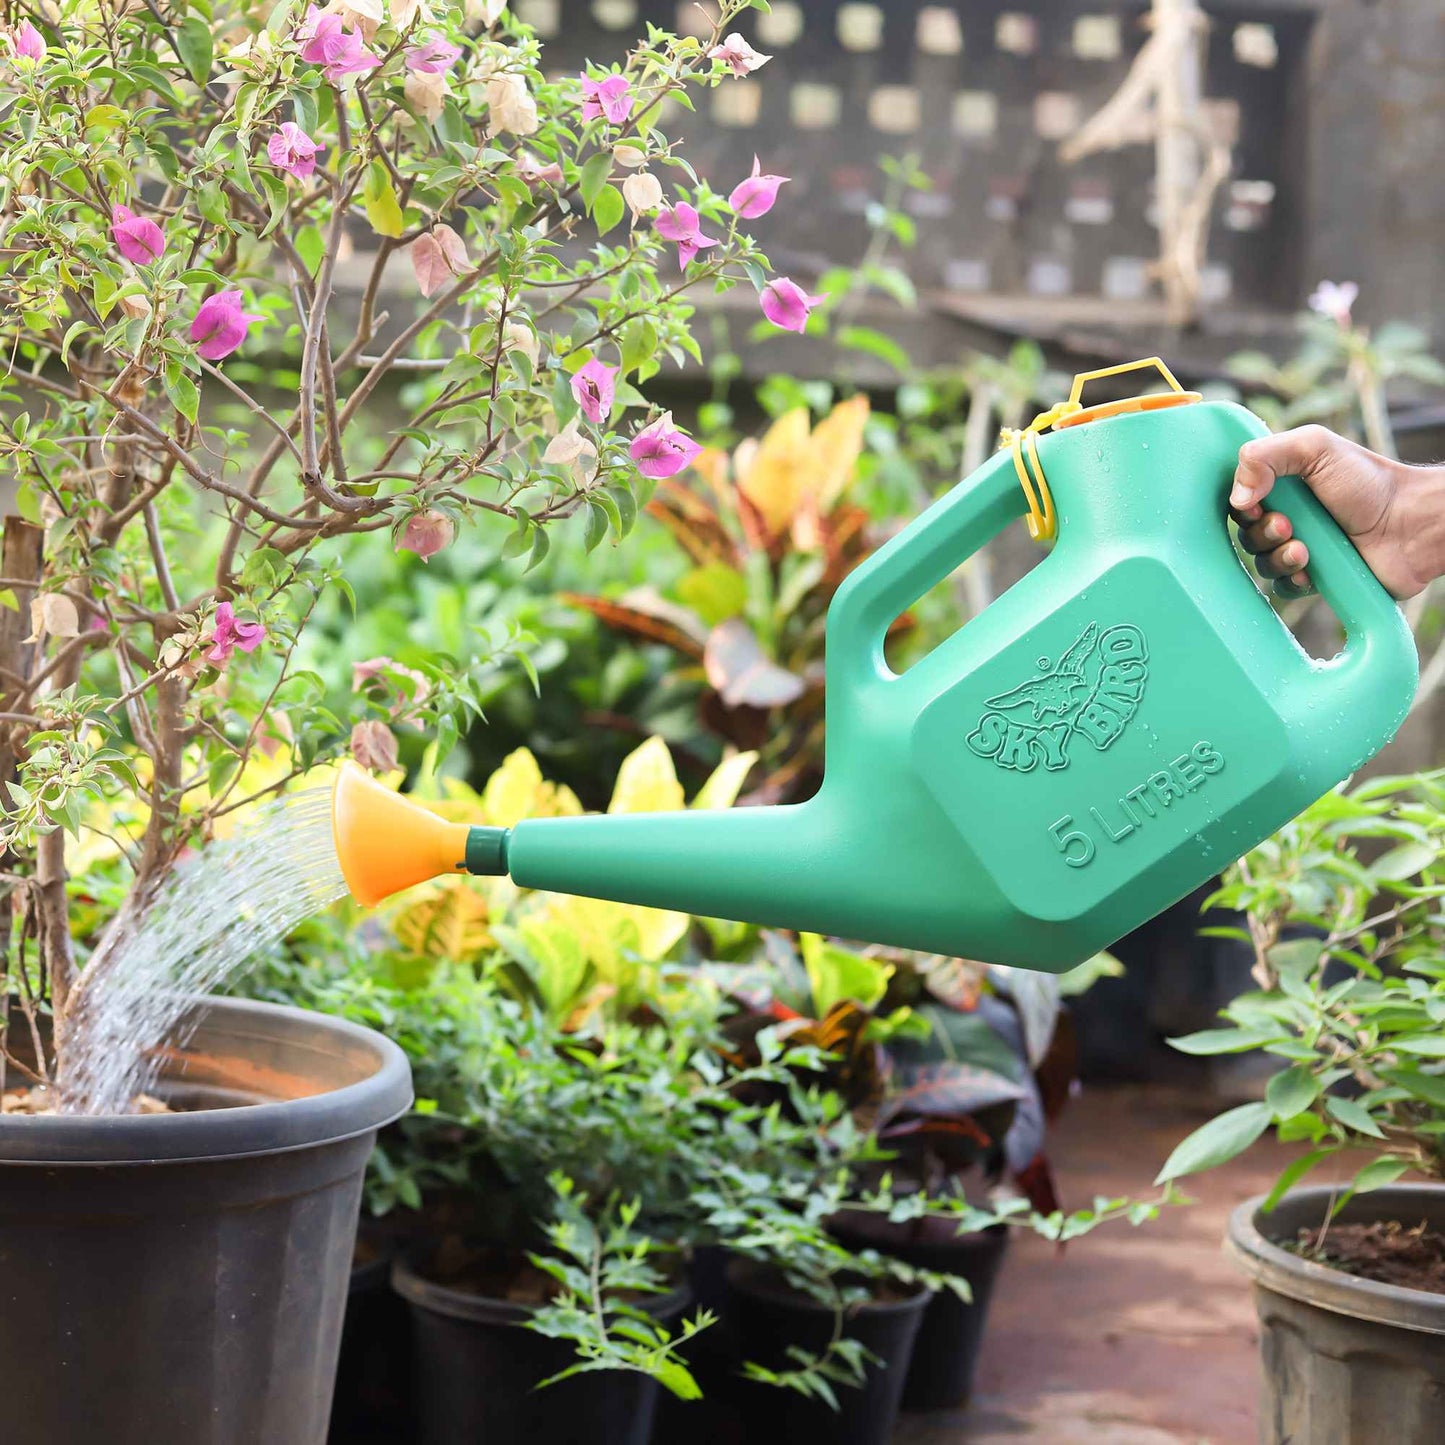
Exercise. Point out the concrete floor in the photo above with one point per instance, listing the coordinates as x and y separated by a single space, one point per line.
1129 1337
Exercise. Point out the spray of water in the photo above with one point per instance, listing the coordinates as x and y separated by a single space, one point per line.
215 913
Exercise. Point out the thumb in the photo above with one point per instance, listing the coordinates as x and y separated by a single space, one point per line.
1263 462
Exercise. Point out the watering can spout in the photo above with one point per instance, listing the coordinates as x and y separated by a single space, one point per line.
740 863
386 842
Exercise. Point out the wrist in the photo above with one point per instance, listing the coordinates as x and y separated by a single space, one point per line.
1418 519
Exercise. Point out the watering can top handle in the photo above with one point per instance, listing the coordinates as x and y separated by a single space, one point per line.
933 545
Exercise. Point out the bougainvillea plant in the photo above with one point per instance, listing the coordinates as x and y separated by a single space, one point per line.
232 239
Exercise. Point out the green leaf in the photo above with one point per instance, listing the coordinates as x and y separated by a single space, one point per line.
1377 1173
1227 1041
1429 1087
1427 1046
1353 1115
838 976
1291 1091
1218 1141
184 396
1292 1175
594 177
1403 862
193 43
609 210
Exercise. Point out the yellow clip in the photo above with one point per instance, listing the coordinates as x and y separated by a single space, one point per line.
1043 523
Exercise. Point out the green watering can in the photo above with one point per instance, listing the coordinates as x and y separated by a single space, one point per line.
1123 723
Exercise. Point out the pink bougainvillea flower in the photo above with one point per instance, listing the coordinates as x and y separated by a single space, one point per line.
681 223
610 98
786 304
293 151
341 52
595 387
1335 300
534 168
221 324
26 42
662 450
426 533
757 195
139 240
438 257
434 55
738 55
228 634
373 745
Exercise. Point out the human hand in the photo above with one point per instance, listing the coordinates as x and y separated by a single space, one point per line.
1391 512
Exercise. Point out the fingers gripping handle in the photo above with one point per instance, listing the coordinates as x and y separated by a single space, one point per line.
1379 651
917 559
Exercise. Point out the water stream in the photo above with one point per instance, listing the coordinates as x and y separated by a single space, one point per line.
214 914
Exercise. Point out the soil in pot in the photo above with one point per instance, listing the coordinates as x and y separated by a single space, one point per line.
772 1318
477 1366
945 1354
1388 1252
179 1278
1345 1360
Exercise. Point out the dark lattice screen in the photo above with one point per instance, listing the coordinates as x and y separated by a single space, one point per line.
983 91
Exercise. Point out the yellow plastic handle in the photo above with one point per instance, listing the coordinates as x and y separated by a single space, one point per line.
1075 413
1076 396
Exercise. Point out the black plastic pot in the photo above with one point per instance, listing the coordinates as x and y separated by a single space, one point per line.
945 1354
476 1369
373 1402
179 1279
1344 1361
772 1318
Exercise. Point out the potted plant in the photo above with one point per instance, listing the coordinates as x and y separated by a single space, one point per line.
1342 913
217 223
957 1067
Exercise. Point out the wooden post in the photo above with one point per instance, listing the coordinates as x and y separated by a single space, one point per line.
22 556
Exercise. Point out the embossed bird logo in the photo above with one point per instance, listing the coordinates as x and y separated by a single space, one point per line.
1057 688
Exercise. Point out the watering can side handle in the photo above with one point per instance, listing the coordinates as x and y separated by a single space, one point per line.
1379 651
1378 644
878 592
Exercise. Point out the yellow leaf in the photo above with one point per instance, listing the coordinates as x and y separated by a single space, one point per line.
647 781
837 445
448 920
773 480
518 790
722 789
383 210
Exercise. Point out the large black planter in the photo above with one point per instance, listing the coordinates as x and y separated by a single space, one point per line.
477 1366
1344 1361
771 1318
179 1279
945 1354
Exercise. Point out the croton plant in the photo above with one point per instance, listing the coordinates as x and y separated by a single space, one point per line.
229 233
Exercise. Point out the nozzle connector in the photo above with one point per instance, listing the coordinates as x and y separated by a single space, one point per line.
487 851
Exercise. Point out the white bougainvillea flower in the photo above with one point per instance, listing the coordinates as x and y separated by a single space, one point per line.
643 194
487 11
738 55
520 337
510 106
569 445
427 92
